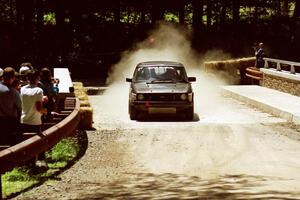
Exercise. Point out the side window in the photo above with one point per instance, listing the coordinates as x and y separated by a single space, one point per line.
179 75
142 74
139 74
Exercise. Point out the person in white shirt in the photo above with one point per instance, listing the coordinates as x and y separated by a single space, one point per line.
32 104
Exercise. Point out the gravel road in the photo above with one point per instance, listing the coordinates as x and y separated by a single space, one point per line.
229 151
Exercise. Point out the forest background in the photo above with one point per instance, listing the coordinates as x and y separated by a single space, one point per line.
92 34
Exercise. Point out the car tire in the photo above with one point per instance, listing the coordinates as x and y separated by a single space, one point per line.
133 113
190 114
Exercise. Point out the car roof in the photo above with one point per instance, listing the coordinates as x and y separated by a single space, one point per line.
160 63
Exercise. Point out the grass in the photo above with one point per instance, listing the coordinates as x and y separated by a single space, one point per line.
23 178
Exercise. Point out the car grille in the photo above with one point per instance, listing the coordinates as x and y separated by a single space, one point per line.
162 97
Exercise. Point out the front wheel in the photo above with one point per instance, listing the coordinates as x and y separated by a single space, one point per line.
133 114
190 114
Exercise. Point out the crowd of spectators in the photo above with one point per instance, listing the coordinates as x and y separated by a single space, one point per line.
27 99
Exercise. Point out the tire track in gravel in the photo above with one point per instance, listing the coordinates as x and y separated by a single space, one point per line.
176 159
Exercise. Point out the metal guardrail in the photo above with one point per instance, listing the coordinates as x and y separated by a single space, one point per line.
28 149
279 64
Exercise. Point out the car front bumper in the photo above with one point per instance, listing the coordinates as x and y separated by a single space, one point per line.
153 107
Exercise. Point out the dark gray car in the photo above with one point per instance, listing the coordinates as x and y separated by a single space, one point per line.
160 87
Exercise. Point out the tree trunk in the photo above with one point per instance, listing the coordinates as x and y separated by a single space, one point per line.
197 15
208 12
157 10
223 12
12 15
143 16
297 9
25 16
117 8
20 15
60 18
40 15
277 7
236 11
181 5
28 17
285 7
39 25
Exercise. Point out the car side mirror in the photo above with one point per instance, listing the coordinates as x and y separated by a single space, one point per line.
128 79
191 79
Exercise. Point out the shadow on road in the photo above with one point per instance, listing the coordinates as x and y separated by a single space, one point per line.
173 186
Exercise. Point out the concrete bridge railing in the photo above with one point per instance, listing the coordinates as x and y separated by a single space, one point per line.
278 64
277 74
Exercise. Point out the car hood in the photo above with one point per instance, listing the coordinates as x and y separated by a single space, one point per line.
161 87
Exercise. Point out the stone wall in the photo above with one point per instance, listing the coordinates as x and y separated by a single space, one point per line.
282 84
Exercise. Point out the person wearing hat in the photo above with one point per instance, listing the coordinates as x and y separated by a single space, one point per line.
23 75
10 109
1 74
23 69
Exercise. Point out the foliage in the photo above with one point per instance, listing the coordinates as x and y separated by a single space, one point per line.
49 18
7 11
21 178
64 151
42 30
130 16
171 17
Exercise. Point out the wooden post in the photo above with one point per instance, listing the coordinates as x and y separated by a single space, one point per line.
0 186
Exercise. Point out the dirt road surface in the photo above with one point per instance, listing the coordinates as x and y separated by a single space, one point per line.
229 151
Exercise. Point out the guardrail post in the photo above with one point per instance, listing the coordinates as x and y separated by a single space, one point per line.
278 67
293 69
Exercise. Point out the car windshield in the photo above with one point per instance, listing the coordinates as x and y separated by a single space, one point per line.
157 74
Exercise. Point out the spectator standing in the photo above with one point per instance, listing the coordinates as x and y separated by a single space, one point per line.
23 75
32 104
16 84
10 109
49 90
27 65
260 54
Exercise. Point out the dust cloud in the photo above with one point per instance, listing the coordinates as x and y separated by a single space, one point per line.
223 145
167 43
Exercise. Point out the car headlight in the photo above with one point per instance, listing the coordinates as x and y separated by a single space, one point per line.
133 96
140 97
190 97
183 97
